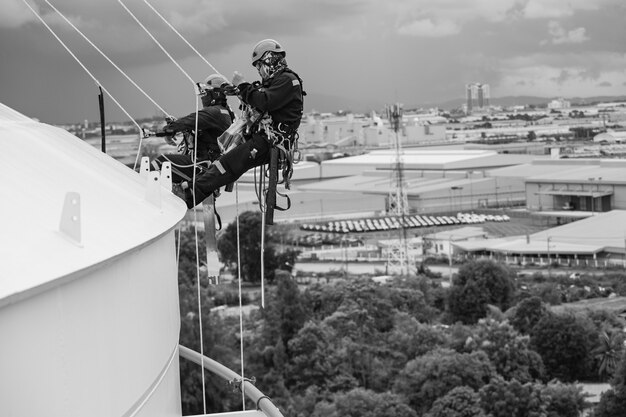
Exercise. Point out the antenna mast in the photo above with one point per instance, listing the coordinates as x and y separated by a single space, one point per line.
398 205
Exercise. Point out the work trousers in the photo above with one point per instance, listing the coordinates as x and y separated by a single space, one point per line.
252 153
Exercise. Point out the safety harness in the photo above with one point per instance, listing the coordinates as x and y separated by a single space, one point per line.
284 138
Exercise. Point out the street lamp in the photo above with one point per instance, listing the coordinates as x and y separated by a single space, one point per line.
459 189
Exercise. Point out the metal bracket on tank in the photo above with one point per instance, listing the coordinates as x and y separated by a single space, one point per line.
166 175
144 168
153 188
70 225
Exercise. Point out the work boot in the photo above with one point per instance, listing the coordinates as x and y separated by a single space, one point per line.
179 191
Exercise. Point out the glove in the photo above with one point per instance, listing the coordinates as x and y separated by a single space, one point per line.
237 78
230 90
169 135
170 140
169 119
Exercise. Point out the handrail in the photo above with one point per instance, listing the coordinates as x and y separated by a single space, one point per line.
262 402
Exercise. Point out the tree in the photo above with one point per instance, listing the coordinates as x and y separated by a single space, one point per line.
613 402
508 351
531 135
608 353
476 285
459 402
250 225
410 338
565 400
316 361
527 313
284 314
361 402
565 343
502 398
216 334
426 378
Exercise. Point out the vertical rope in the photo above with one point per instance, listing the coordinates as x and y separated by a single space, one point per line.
195 227
263 237
243 392
193 182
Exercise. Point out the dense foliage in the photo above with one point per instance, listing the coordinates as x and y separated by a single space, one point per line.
359 348
250 226
566 343
477 285
613 402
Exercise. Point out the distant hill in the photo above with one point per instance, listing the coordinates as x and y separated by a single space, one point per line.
330 103
509 101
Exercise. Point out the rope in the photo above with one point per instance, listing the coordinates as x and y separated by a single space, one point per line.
92 77
243 396
107 58
195 227
262 260
155 40
181 37
194 165
178 232
197 93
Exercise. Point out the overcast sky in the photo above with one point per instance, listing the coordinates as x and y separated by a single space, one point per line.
408 51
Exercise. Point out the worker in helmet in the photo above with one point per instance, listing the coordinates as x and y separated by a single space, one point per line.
213 119
278 97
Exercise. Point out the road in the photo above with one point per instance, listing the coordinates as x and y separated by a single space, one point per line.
377 268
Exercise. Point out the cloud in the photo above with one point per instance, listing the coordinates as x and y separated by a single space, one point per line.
557 9
550 74
15 14
429 28
562 77
561 36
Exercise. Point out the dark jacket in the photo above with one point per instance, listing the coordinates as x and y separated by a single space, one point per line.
280 96
212 122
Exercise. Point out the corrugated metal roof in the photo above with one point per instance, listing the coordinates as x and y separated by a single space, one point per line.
594 194
420 159
588 236
39 165
568 171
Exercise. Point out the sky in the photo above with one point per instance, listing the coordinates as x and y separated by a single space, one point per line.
357 53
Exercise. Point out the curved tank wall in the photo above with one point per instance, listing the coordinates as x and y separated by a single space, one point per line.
89 326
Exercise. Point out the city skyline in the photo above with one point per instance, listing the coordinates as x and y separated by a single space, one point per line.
360 51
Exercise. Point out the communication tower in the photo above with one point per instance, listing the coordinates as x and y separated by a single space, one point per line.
398 205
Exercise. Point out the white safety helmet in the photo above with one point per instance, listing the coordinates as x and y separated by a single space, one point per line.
211 90
266 45
215 80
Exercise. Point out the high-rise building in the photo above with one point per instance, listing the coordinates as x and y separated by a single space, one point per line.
477 96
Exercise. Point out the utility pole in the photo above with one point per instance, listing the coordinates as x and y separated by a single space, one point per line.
397 257
450 257
549 266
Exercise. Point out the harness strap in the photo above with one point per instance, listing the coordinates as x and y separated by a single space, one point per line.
288 202
279 136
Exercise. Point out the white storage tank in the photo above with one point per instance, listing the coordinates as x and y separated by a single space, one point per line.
89 313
